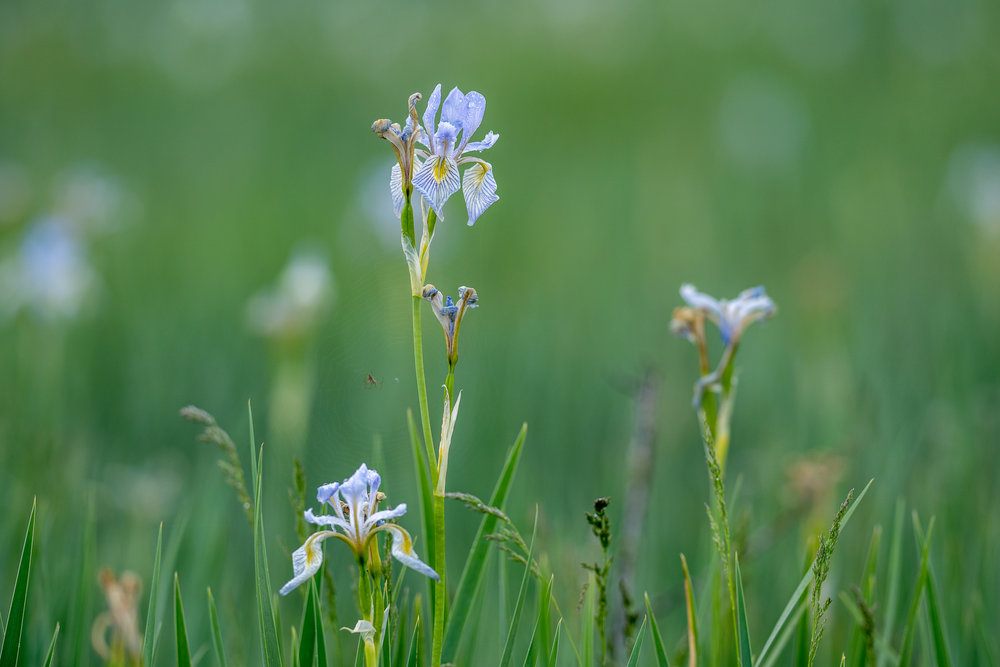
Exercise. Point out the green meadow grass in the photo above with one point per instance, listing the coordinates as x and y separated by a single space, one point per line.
645 144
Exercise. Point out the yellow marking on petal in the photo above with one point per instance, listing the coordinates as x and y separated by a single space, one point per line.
440 169
479 172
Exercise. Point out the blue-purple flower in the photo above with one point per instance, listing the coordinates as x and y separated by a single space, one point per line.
447 144
732 317
355 520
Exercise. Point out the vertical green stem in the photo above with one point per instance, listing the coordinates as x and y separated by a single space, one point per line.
418 363
439 586
449 384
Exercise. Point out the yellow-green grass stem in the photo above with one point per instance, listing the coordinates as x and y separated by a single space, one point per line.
440 594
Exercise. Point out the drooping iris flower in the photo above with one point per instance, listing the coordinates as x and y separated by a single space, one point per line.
356 521
732 317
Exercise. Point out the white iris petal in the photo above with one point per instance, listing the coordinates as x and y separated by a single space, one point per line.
479 188
396 188
437 179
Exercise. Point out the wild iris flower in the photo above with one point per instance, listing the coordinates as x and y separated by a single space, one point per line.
354 503
732 317
447 143
450 314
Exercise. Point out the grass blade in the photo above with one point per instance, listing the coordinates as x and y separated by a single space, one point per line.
472 572
220 652
661 653
785 637
554 651
15 617
743 629
894 576
321 658
307 641
265 608
941 653
544 621
416 656
692 615
154 595
180 629
508 648
633 659
532 655
909 630
426 498
78 624
804 584
52 648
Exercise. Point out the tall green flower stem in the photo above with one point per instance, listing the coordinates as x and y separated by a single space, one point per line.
440 593
418 363
417 263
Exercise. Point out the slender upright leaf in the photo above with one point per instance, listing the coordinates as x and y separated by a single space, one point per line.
554 651
307 643
692 615
633 659
321 658
894 577
79 622
270 647
532 655
52 648
941 653
180 629
508 648
416 657
220 651
15 617
743 629
909 630
472 572
154 594
786 635
544 622
661 653
425 496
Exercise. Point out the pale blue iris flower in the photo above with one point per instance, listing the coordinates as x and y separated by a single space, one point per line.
356 521
732 317
448 144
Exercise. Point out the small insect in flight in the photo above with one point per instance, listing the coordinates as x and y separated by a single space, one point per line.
372 382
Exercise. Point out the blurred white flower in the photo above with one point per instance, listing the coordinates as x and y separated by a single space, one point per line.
49 275
92 198
974 182
293 307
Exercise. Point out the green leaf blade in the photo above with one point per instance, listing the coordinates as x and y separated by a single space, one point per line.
220 652
633 659
661 652
180 629
52 648
743 630
15 616
508 648
472 572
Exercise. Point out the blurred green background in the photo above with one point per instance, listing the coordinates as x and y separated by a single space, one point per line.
844 154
